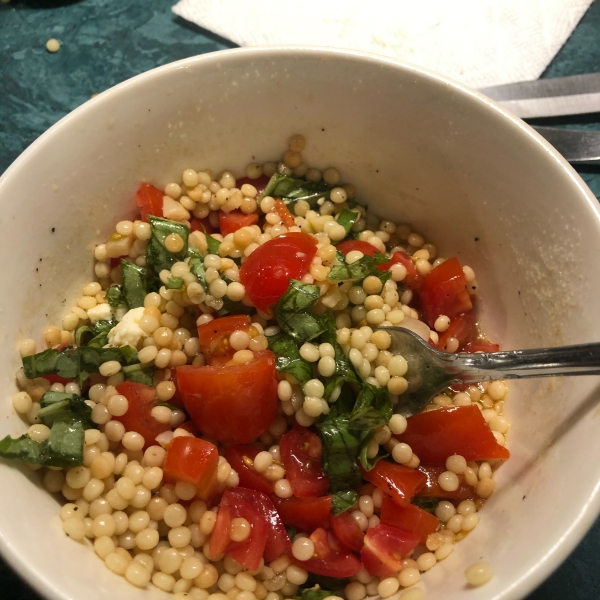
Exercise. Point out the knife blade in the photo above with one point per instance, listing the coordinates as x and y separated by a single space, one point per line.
577 146
572 95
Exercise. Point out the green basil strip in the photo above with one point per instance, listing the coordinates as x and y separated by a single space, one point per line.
114 295
343 501
347 218
288 359
59 406
293 189
134 284
294 312
158 257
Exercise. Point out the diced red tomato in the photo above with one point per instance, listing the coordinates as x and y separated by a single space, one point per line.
192 460
331 559
249 552
150 201
266 273
214 335
284 214
142 399
480 346
301 453
384 549
305 514
437 434
57 378
190 427
400 482
260 183
232 221
463 328
350 245
409 518
444 292
249 477
278 540
432 488
204 225
221 533
347 530
234 404
413 279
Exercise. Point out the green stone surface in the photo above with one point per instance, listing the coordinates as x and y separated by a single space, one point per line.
104 42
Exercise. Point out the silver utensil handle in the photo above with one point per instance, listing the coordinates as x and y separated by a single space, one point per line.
583 359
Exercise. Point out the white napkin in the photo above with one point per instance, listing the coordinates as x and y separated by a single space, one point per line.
477 42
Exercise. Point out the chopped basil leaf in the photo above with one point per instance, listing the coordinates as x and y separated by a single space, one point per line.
63 448
347 218
196 265
60 407
358 270
343 501
315 593
293 189
139 373
288 359
96 335
428 504
75 363
134 284
114 295
294 312
158 257
212 244
174 283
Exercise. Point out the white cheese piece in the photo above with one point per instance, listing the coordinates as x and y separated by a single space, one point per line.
127 331
100 312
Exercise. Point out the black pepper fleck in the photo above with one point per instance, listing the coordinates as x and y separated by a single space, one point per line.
476 239
53 229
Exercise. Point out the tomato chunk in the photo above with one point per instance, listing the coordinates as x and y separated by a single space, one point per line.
234 404
331 559
437 434
220 536
239 458
384 549
232 221
347 530
409 518
249 552
400 482
432 488
278 540
192 460
305 514
150 201
266 273
214 335
351 245
301 453
142 400
413 279
444 292
284 213
463 328
204 225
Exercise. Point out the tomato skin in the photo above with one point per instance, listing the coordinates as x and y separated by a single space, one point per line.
232 221
204 225
278 540
435 435
249 552
142 399
384 549
260 183
234 404
305 514
413 279
331 559
400 482
409 518
444 292
347 530
432 488
150 201
350 245
266 273
301 453
463 328
284 213
214 335
221 533
57 378
249 477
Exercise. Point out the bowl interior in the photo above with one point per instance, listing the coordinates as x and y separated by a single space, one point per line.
420 150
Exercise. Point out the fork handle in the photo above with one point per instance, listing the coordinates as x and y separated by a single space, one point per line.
583 359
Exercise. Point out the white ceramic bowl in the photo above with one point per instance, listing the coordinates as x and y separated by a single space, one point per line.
420 149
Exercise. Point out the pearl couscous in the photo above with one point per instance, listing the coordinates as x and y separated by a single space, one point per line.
217 409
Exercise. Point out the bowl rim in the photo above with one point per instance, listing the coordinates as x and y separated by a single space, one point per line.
549 560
